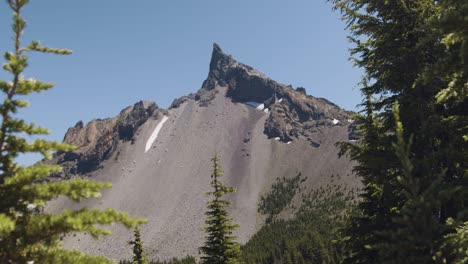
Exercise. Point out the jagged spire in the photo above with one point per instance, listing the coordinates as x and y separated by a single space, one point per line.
220 63
217 48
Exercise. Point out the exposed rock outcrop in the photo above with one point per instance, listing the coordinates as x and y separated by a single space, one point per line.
177 102
97 141
293 113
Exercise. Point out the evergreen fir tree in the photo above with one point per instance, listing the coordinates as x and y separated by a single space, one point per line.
26 232
220 245
138 252
415 179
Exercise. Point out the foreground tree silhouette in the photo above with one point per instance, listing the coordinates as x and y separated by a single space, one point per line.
412 158
220 245
27 233
138 252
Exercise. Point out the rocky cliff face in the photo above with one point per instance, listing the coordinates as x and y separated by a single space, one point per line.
293 113
97 141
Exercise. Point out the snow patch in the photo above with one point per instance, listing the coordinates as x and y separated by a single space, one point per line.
350 121
280 100
155 134
277 138
253 104
335 121
266 110
289 142
256 105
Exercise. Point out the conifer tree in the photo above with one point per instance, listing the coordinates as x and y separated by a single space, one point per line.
220 245
415 179
138 252
26 232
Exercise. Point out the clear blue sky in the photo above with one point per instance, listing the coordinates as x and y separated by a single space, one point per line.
126 51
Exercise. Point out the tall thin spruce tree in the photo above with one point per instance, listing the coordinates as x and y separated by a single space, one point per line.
413 154
220 245
137 247
26 232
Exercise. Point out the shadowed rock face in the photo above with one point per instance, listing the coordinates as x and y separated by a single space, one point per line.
294 114
97 141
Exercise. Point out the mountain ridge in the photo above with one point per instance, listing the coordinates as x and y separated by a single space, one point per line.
158 160
292 113
246 84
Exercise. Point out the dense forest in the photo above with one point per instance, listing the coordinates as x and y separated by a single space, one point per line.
311 234
411 158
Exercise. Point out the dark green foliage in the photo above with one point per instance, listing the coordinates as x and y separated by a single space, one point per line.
282 192
186 260
310 236
137 248
413 154
220 245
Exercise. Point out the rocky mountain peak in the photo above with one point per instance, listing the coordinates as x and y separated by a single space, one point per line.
219 60
263 130
292 113
221 67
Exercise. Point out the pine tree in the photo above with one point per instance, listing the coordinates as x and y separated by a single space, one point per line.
26 232
138 252
220 245
415 179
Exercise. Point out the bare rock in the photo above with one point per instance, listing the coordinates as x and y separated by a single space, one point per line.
98 140
293 113
177 102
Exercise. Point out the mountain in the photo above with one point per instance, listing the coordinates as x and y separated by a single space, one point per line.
158 160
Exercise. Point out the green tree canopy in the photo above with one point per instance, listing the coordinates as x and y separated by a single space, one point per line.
220 245
413 154
27 233
137 247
